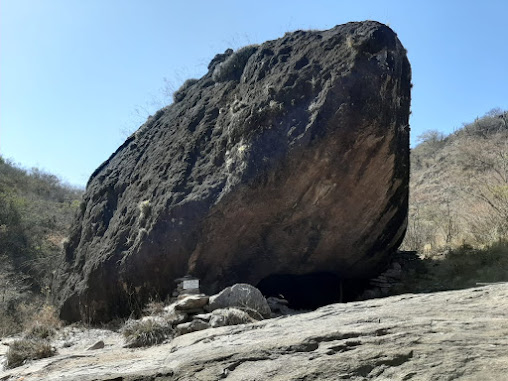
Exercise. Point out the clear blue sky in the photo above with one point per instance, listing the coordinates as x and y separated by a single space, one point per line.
77 75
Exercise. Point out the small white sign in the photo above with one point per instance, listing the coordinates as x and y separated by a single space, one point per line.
192 284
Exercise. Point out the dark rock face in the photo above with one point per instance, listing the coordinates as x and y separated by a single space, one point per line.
291 157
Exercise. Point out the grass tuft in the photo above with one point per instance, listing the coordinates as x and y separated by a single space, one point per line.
145 333
153 308
232 68
23 350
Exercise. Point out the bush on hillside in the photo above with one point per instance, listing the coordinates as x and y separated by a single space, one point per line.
27 312
43 323
36 210
494 121
17 310
487 265
40 331
459 186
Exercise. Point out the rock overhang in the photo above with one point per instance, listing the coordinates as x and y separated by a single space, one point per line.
287 157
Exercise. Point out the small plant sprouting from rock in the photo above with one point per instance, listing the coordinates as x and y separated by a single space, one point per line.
144 209
350 42
142 233
232 67
275 106
145 333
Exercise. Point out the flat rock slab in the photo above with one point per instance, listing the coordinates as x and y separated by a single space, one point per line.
191 302
454 335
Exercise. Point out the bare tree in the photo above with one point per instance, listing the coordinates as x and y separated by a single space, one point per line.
486 160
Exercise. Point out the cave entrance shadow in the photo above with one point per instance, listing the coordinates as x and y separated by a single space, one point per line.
312 290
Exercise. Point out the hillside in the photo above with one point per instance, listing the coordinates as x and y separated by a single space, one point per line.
36 209
459 186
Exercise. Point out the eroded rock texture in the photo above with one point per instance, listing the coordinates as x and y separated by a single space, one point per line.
286 158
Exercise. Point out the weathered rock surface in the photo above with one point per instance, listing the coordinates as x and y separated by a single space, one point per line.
191 302
286 158
453 335
240 295
97 345
191 326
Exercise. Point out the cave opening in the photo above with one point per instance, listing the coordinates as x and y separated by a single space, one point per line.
312 290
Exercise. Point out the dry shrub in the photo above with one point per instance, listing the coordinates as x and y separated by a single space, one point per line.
33 317
42 324
232 68
39 331
153 308
461 267
146 332
9 324
467 266
483 226
17 315
46 316
24 350
229 316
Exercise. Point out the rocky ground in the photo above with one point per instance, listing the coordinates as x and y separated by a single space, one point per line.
453 335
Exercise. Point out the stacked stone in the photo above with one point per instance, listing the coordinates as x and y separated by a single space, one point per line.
185 309
178 291
238 304
382 284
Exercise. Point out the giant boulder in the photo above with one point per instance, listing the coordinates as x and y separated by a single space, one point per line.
286 158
